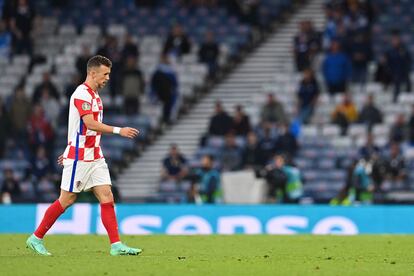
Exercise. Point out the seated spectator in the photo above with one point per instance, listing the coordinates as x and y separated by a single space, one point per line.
273 111
41 165
286 143
336 69
220 123
5 124
398 60
10 189
174 166
399 131
45 84
285 184
370 114
177 43
132 86
266 146
82 60
20 109
307 95
5 40
40 130
205 187
164 85
130 48
251 154
230 154
360 53
241 122
396 169
369 150
411 127
345 113
209 53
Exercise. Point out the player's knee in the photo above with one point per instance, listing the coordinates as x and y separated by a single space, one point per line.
67 200
106 196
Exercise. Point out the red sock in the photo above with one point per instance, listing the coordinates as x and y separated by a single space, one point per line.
109 221
51 215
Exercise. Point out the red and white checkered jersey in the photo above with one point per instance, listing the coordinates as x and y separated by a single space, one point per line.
83 143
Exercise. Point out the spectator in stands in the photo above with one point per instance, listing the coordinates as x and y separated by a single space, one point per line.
306 45
336 69
345 113
382 73
399 61
5 124
360 53
50 106
411 127
209 53
369 149
205 187
230 154
355 17
22 15
132 86
10 189
370 114
164 84
81 60
241 122
40 130
266 146
399 131
396 169
284 181
110 50
45 84
174 165
273 111
5 40
177 43
286 143
308 94
41 164
221 123
20 109
130 48
251 154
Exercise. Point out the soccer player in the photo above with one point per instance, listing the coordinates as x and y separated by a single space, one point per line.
84 167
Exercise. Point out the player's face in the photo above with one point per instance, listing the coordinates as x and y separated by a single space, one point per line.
101 75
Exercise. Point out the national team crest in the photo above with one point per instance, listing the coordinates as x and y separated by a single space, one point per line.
86 106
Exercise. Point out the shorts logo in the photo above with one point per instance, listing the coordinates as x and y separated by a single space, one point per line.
86 106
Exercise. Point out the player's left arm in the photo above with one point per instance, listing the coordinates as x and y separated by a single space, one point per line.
94 125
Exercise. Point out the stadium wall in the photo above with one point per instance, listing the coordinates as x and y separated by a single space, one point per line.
217 219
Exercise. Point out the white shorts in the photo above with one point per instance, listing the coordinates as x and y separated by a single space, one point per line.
82 176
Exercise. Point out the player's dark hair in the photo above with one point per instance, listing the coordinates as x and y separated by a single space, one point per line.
97 61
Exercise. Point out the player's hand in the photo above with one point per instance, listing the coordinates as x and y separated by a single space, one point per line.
60 160
129 132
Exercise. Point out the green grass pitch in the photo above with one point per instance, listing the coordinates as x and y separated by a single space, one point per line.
214 255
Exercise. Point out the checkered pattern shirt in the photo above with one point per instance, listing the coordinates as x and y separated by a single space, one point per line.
83 143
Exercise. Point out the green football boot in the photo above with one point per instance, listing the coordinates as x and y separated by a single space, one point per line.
37 246
120 249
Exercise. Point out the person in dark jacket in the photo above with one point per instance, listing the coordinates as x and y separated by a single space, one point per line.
360 53
221 123
336 69
286 143
399 61
241 122
370 114
209 53
307 95
45 84
177 42
251 153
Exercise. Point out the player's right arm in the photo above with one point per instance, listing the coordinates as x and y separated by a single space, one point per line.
94 125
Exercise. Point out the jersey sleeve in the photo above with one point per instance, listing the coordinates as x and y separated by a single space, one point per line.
83 102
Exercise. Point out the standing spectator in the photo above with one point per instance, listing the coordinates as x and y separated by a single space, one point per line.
132 86
82 60
370 114
399 61
220 123
209 53
383 74
40 130
306 45
177 43
110 50
130 48
230 154
45 84
336 69
251 154
206 183
273 111
241 122
174 165
20 110
411 127
360 53
345 113
307 95
21 22
396 169
164 84
399 131
5 40
286 143
4 125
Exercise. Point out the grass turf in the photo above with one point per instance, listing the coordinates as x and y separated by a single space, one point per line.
214 255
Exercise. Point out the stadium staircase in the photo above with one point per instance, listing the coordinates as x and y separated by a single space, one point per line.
140 180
